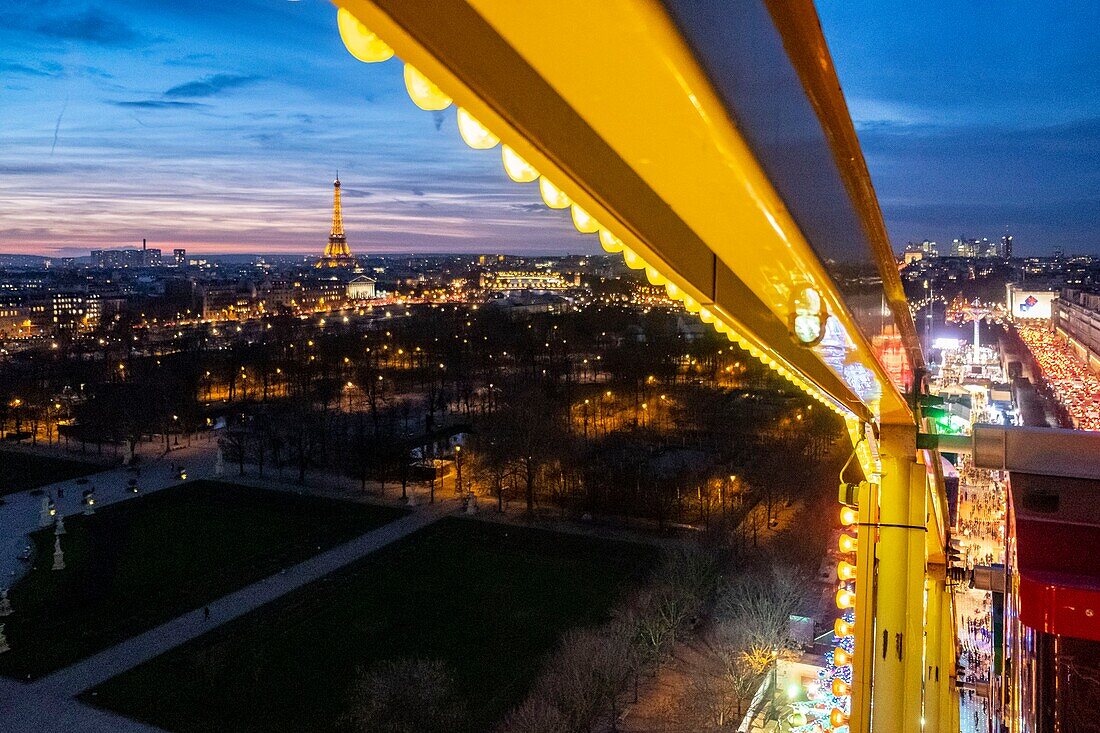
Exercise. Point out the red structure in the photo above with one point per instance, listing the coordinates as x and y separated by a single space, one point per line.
1051 649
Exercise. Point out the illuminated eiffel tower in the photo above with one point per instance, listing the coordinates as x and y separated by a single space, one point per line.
337 252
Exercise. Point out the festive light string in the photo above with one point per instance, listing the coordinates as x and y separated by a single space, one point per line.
366 46
836 677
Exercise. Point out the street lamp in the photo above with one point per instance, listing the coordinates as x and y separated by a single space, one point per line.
458 468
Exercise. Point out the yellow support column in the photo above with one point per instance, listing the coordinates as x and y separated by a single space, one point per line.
949 692
935 674
917 598
896 701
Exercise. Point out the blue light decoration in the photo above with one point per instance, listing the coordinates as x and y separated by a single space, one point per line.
823 692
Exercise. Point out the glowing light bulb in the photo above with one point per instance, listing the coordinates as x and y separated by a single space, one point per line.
846 570
654 277
845 598
705 315
848 516
691 305
553 196
474 133
423 92
610 242
841 658
673 291
841 628
633 261
847 543
518 169
840 687
837 718
359 40
584 223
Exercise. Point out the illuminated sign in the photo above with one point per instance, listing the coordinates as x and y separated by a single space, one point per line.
1029 304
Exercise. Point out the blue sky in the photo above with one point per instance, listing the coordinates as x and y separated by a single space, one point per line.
218 126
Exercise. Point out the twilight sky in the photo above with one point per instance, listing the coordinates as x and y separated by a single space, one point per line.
218 126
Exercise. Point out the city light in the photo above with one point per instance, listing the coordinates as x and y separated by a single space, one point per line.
1076 387
566 393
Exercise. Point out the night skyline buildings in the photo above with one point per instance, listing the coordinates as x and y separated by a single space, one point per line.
971 120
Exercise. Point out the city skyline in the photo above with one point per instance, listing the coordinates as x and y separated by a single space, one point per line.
101 153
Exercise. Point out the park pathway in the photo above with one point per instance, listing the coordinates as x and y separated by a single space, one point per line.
47 705
19 515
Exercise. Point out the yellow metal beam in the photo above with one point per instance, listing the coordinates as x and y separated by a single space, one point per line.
800 28
949 691
916 597
899 609
606 100
608 103
939 655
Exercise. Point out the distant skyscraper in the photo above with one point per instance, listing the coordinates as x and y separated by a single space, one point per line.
180 256
972 247
149 257
1006 246
125 258
337 252
985 248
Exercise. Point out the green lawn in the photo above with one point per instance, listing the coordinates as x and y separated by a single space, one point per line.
488 599
139 563
22 471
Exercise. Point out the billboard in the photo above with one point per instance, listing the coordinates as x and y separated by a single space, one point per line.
1029 304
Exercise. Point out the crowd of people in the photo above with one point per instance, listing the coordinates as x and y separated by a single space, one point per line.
976 640
981 526
980 529
981 516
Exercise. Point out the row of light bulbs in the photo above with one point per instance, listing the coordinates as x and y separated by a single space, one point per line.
366 46
845 600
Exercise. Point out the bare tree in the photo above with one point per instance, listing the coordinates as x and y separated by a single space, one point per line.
405 696
719 694
535 715
235 444
580 686
754 611
677 591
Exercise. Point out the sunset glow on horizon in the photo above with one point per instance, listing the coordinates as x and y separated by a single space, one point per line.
219 128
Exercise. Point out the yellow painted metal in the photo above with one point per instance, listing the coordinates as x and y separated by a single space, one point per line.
899 608
606 99
941 701
949 691
916 596
800 28
612 86
863 658
935 674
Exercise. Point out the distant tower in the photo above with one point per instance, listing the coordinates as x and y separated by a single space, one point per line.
337 253
1006 246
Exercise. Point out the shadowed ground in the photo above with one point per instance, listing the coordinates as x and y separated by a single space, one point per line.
22 471
489 600
138 563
